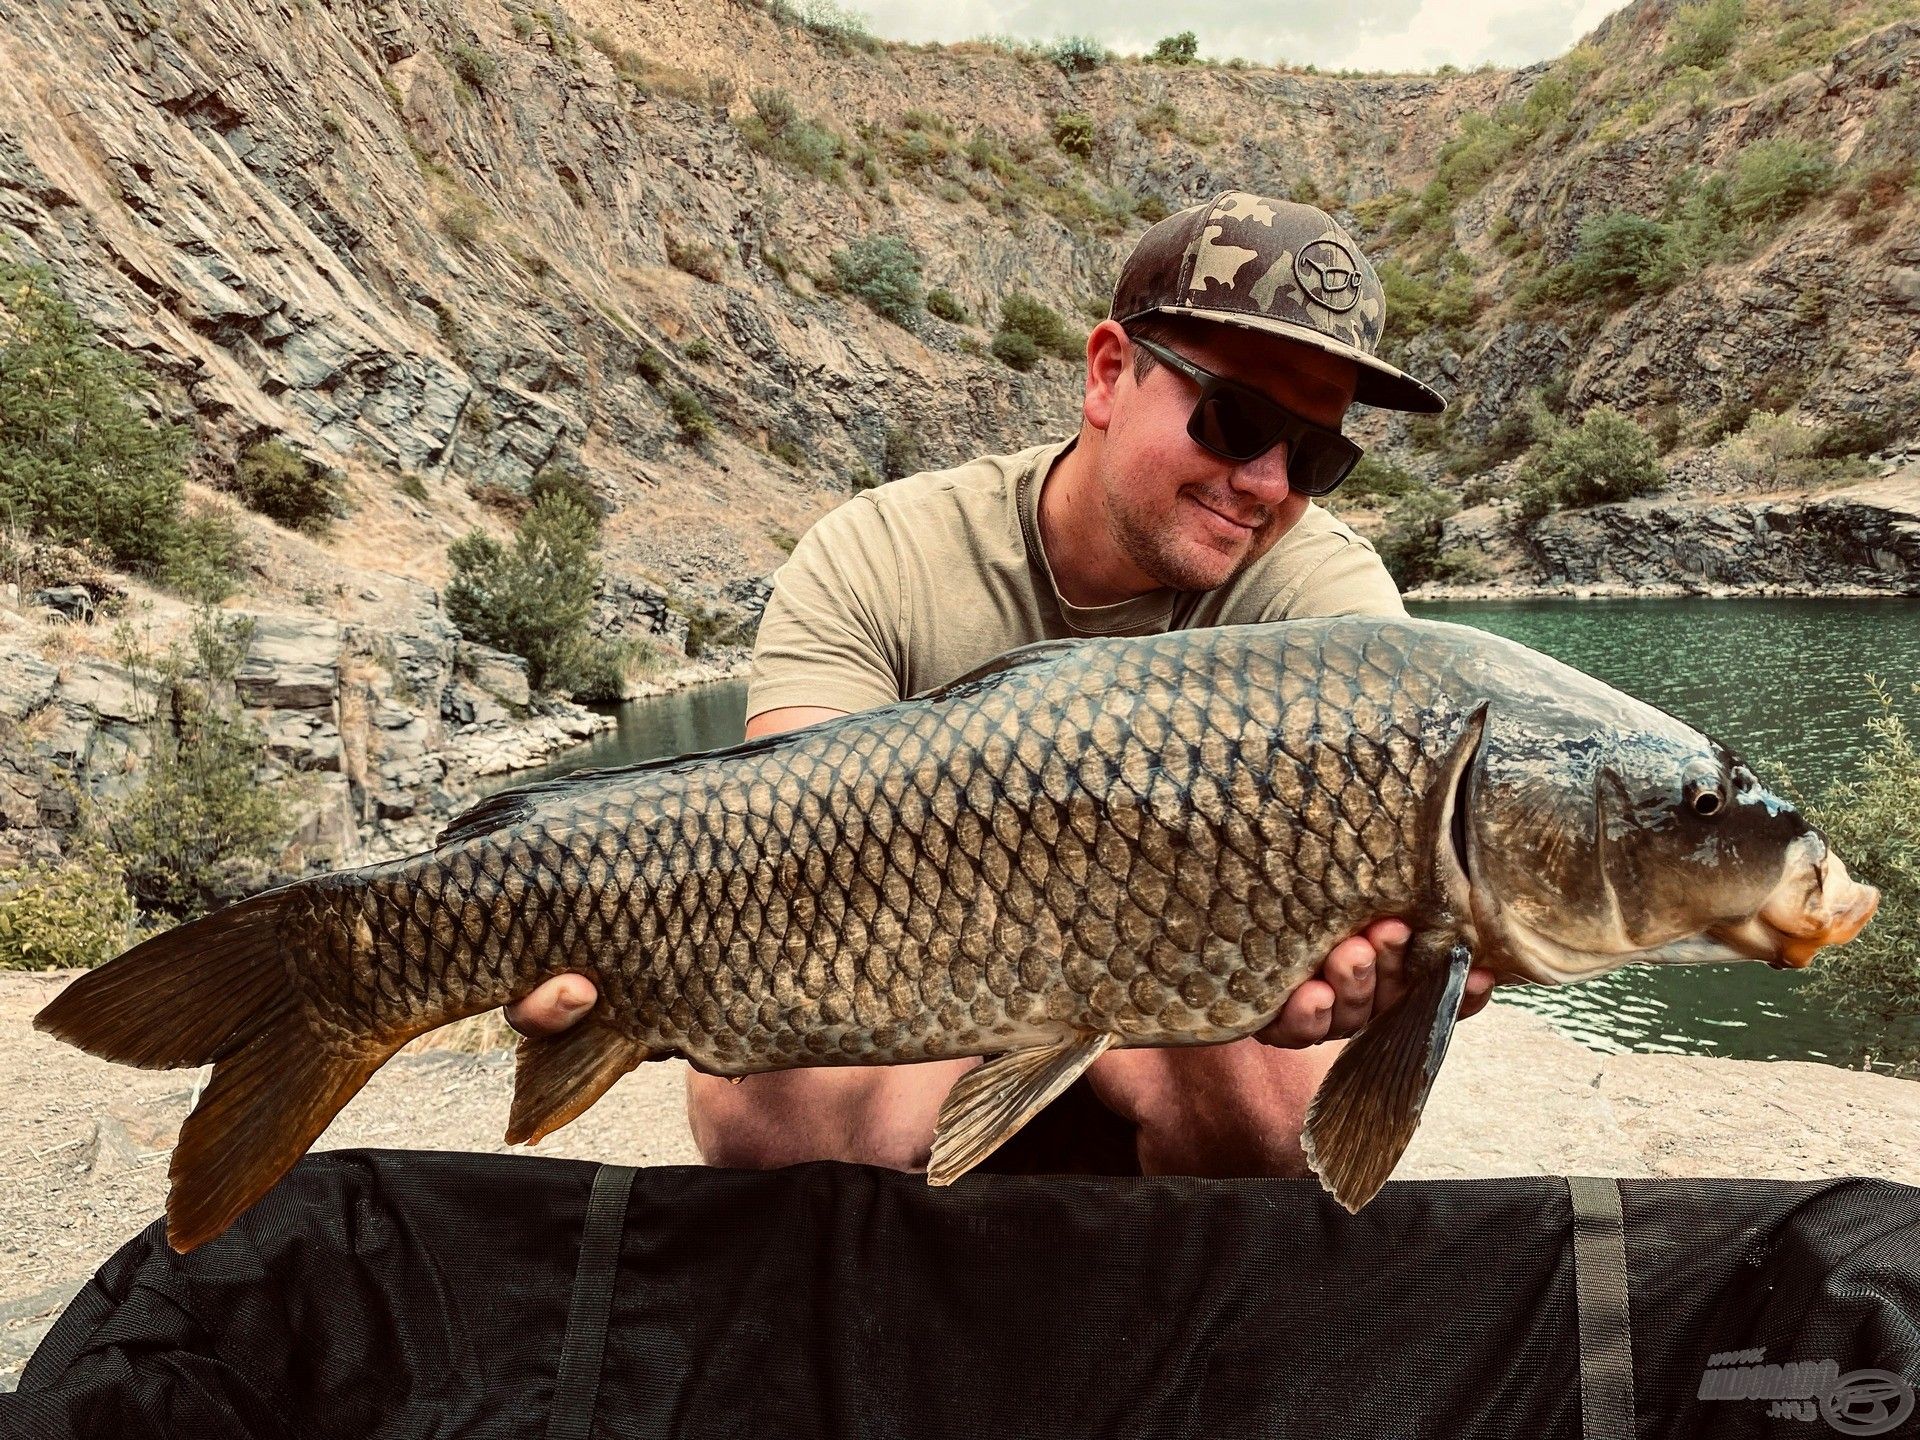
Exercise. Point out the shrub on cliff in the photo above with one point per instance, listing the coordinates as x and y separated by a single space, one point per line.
1413 544
1873 823
272 480
1606 457
884 271
78 458
1041 324
200 829
1702 34
1181 49
531 598
1774 178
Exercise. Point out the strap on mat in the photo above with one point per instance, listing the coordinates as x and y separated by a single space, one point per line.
1600 1291
577 1387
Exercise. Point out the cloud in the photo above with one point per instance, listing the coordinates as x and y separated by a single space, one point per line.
1387 35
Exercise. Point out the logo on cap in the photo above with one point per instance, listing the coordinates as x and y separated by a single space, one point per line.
1328 273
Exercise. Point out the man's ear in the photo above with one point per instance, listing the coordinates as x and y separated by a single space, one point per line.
1109 356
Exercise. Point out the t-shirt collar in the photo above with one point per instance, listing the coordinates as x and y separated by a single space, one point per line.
1143 614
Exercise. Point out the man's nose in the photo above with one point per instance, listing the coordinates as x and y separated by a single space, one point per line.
1263 478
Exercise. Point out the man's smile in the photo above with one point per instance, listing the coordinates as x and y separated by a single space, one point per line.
1228 521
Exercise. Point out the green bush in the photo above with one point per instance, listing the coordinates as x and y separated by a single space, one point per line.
1607 457
697 258
78 460
1076 53
777 129
1620 252
1773 179
699 350
900 453
475 67
1181 49
649 364
557 477
200 830
272 480
943 305
1411 544
1873 823
601 670
1012 348
884 271
1074 132
208 555
72 911
531 598
1040 323
690 416
1374 476
1702 34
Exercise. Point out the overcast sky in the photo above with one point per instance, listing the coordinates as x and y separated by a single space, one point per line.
1377 35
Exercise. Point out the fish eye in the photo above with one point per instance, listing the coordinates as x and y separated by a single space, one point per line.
1702 796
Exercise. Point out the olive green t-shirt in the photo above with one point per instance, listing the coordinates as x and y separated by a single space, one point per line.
913 584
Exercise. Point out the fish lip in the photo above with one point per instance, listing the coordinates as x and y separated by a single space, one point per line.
1816 904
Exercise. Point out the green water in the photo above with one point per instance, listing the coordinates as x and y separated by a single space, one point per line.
1781 681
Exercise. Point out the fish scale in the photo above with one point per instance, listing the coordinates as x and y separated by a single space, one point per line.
1131 841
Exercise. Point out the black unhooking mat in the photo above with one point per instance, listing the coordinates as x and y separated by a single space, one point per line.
384 1293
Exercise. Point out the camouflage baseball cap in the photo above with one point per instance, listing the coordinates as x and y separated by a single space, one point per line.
1275 266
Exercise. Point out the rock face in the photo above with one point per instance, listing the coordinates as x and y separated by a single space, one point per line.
1862 540
377 735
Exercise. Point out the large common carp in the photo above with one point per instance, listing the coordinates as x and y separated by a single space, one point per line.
1145 841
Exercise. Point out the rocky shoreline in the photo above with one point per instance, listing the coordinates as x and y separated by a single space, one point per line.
380 729
1857 542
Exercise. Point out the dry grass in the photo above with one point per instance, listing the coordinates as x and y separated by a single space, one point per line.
475 1035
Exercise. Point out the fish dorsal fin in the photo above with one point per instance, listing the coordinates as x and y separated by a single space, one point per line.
1018 658
989 1103
516 803
1366 1110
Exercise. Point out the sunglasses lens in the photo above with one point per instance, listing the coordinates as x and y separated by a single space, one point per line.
1232 428
1318 463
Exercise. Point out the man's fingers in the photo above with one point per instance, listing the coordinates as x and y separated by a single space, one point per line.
1349 969
1304 1020
1479 991
1389 940
555 1005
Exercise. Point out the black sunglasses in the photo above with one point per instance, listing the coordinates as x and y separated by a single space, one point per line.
1237 422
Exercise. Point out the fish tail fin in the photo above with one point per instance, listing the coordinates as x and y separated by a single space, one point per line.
188 996
266 1103
215 991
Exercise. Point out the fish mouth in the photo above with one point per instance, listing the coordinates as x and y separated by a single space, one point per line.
1815 904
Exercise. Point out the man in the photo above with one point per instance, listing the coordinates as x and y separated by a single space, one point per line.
1240 331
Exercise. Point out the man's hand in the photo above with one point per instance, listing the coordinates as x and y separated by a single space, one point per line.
554 1006
1362 977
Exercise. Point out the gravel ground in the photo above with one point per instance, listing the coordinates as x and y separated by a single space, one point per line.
83 1145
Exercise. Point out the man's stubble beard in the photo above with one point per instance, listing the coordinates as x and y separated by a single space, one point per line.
1152 544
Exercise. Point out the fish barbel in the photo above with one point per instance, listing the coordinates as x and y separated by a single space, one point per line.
1084 844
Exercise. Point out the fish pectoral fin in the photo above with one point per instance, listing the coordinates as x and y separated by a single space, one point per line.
990 1102
556 1077
1368 1106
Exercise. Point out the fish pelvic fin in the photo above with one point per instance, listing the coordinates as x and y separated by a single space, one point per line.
557 1077
992 1101
1363 1116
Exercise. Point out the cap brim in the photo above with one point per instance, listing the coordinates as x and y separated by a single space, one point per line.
1379 384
